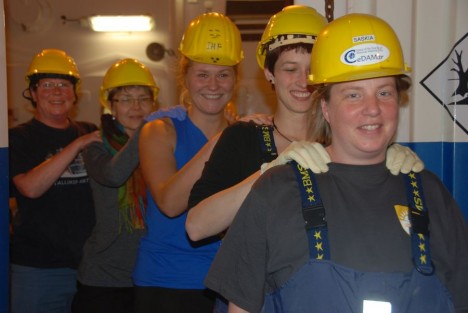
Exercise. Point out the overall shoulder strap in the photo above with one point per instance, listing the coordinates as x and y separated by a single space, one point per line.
315 222
419 219
313 213
267 142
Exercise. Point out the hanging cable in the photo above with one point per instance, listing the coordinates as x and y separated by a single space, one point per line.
329 8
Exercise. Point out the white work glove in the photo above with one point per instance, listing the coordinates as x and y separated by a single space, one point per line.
403 159
311 155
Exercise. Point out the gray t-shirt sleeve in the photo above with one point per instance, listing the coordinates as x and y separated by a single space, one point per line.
240 269
112 170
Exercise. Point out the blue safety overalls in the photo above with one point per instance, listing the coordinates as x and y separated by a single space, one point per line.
325 287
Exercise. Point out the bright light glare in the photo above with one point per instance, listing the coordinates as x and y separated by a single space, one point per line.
377 307
136 23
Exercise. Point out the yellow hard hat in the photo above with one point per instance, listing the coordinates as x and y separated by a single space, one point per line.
356 46
53 61
293 24
212 38
126 72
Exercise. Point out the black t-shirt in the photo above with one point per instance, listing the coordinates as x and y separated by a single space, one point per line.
49 231
237 155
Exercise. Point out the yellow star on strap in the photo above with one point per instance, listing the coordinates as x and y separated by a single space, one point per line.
311 198
412 175
423 259
318 235
416 193
309 190
319 257
421 237
414 184
422 246
319 246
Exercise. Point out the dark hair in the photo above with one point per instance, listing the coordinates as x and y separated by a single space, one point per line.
272 56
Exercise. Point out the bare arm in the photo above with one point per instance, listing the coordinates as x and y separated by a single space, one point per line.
170 188
215 213
38 180
235 309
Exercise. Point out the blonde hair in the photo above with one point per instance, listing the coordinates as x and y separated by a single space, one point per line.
322 131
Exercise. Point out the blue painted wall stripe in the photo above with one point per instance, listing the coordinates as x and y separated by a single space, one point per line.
449 161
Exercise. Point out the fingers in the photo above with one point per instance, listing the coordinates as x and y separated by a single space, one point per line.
403 159
309 155
407 164
303 158
395 160
418 165
93 137
322 152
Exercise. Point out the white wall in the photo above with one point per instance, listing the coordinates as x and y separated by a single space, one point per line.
33 25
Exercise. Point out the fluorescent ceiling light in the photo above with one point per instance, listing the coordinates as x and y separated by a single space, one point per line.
121 23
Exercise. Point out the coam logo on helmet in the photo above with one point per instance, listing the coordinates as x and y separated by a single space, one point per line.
365 54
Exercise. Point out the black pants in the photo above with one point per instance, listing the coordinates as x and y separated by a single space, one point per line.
165 300
91 299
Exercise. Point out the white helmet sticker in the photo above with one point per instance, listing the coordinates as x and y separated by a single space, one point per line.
365 54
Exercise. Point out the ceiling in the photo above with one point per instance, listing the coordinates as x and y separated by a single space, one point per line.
251 16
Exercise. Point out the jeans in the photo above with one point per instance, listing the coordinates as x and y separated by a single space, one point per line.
41 290
221 305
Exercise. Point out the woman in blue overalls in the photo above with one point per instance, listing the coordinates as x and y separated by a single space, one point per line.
354 239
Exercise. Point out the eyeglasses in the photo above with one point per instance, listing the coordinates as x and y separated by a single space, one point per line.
52 85
143 101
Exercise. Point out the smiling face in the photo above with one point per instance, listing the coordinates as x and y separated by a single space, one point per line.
290 80
363 117
130 105
210 86
54 98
